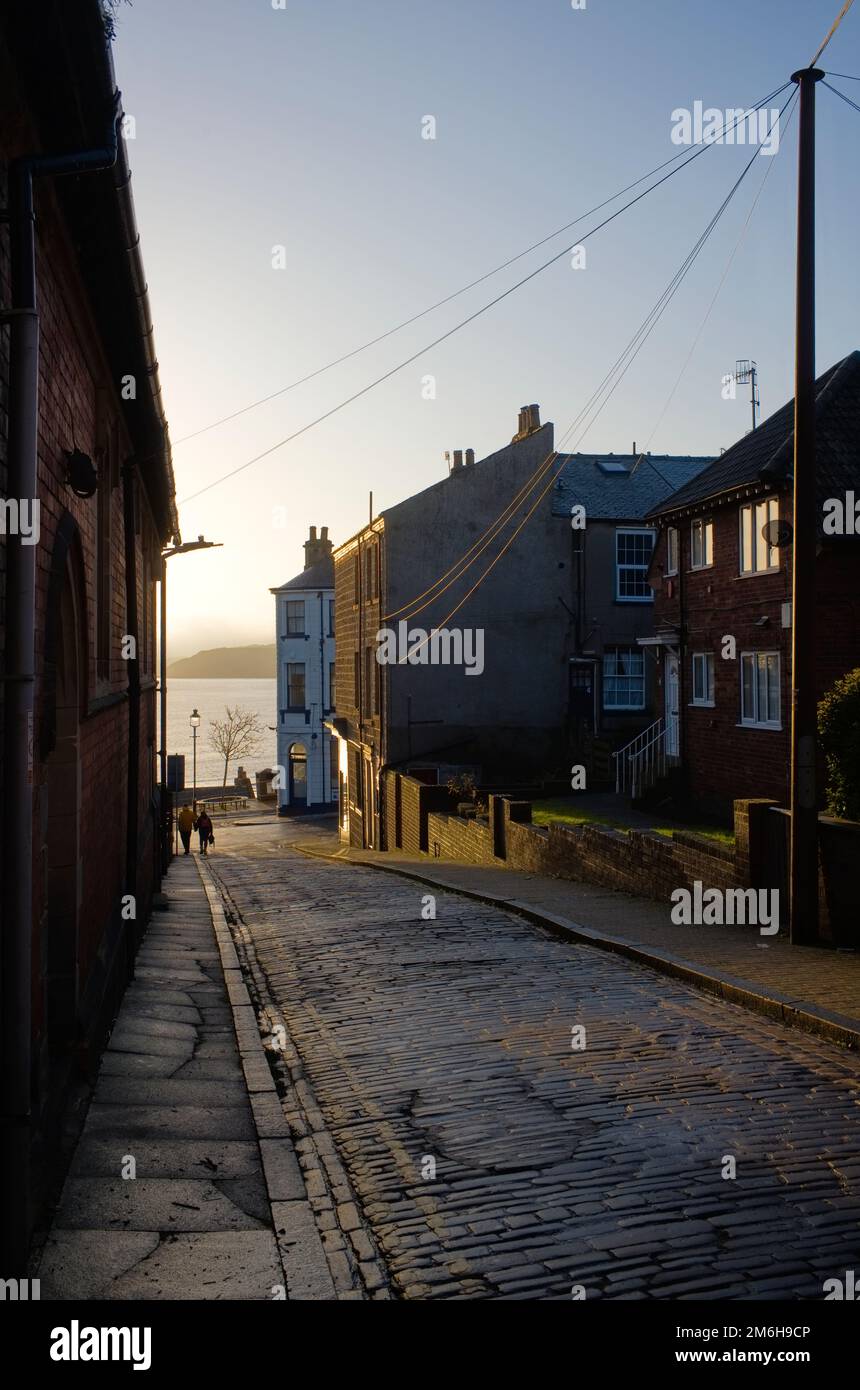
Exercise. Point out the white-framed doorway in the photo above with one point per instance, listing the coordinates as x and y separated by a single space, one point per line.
672 703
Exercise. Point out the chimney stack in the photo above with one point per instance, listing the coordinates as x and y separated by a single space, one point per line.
458 459
529 422
470 457
316 550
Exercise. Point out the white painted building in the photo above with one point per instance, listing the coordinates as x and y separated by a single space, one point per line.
304 609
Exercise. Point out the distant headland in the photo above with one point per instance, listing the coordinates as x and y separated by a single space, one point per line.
228 663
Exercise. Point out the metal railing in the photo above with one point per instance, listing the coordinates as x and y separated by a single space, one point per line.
643 761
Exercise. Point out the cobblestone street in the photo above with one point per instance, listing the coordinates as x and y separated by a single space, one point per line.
455 1142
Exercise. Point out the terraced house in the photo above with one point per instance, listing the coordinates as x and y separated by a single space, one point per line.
722 580
84 442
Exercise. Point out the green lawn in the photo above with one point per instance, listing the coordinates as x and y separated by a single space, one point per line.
563 810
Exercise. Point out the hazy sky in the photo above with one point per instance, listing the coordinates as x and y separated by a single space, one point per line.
302 127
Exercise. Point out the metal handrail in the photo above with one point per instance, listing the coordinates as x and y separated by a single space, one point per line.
643 761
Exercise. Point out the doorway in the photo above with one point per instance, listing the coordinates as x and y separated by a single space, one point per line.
298 776
672 691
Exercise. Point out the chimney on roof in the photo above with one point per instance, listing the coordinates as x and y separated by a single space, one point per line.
470 457
529 422
458 460
316 550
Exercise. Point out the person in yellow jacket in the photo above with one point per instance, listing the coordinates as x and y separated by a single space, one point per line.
186 825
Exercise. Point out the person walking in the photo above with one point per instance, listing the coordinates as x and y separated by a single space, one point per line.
185 820
203 826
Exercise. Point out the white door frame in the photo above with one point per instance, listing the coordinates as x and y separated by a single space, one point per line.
672 703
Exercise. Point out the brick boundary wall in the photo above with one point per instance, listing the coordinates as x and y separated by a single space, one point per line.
638 862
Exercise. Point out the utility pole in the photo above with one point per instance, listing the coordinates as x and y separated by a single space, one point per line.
803 865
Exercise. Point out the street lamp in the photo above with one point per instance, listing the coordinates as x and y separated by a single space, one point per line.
180 548
194 721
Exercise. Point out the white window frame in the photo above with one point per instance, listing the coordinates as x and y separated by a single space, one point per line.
633 531
623 709
289 706
706 527
673 568
706 662
761 549
294 603
756 722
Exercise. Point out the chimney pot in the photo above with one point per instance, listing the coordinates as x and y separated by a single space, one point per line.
313 534
324 533
470 457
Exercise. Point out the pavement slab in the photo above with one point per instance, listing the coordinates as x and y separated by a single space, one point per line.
168 1194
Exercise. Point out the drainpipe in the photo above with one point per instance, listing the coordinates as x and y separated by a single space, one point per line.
683 718
20 678
133 758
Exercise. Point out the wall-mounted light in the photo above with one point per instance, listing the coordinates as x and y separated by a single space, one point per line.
81 474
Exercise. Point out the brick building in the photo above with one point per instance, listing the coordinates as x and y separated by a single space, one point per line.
83 434
602 500
506 719
722 570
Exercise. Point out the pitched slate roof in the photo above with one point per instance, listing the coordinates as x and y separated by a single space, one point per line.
614 487
318 576
765 456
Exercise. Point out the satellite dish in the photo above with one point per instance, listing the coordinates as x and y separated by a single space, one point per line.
779 534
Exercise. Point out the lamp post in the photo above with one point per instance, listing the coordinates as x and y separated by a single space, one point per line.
194 721
181 548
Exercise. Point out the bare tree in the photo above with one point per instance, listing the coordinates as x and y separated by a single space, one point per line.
236 736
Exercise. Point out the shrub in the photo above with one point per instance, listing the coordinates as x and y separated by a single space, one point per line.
839 732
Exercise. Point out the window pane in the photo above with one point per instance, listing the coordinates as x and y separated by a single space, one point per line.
633 551
761 688
672 550
709 668
296 685
773 689
624 679
696 543
747 687
746 540
709 543
773 517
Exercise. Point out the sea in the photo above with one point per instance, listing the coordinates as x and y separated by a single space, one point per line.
211 698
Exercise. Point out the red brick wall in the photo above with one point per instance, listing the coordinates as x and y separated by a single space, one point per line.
79 408
723 761
453 837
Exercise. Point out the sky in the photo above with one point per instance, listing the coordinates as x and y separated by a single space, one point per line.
302 127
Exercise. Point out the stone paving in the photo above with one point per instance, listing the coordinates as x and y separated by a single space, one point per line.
447 1044
821 983
172 1192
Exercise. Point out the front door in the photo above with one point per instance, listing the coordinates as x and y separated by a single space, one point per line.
672 687
298 777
